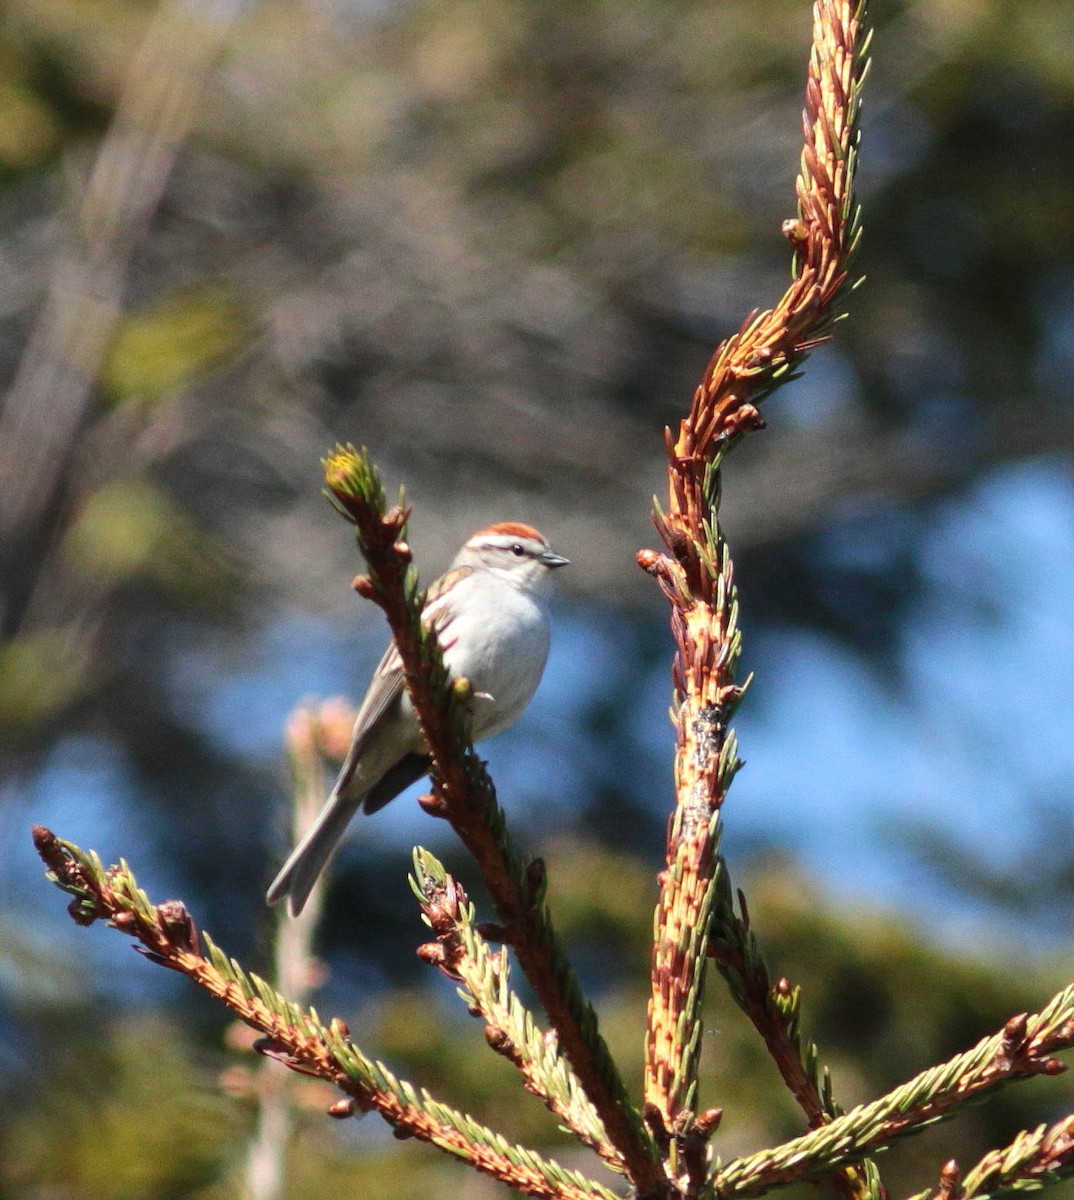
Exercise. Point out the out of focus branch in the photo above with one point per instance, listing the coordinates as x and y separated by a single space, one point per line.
52 393
297 970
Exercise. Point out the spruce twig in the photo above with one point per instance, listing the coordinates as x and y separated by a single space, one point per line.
775 1012
462 954
1034 1158
296 1036
1022 1049
464 795
696 573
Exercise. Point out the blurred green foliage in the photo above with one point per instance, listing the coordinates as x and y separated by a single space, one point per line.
132 1115
173 343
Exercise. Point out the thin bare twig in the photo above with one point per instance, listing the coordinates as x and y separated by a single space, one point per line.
47 403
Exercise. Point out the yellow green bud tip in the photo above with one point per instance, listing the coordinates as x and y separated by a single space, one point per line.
340 466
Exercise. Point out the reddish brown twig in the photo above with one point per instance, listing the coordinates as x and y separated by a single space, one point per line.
696 574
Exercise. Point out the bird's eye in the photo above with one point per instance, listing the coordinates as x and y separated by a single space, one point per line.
517 550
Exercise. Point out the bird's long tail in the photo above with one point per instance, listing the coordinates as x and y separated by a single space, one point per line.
310 857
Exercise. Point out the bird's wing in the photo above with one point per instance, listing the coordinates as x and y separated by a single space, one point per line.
384 690
386 686
437 589
436 613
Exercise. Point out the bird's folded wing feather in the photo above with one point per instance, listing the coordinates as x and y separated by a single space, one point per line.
386 686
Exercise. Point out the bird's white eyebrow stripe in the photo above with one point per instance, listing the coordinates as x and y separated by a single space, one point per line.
503 541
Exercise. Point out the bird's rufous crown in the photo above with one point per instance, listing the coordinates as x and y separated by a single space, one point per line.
510 529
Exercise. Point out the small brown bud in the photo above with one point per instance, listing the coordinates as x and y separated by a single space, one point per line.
402 549
401 1132
1052 1066
1014 1030
364 586
708 1122
1014 1037
649 560
178 924
46 843
433 804
431 953
497 1038
795 230
342 1109
125 922
491 931
950 1180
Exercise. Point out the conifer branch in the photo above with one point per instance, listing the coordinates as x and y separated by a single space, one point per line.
775 1012
461 953
696 573
1022 1049
1035 1158
464 795
296 1036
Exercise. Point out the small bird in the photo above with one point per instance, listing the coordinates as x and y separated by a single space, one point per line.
488 611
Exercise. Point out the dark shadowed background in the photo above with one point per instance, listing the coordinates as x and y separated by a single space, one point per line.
496 242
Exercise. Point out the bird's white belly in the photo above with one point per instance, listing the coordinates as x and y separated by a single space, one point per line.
503 659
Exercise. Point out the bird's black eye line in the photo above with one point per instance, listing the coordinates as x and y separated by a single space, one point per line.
517 550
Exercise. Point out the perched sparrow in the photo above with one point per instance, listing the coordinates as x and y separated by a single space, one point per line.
489 614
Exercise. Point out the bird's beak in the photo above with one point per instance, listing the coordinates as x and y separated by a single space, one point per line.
551 559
